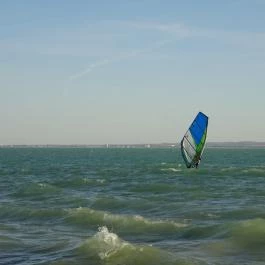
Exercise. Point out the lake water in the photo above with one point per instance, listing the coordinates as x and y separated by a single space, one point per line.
135 206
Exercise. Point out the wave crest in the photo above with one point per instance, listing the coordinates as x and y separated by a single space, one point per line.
123 223
109 248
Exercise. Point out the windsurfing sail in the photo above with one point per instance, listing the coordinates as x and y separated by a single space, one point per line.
193 142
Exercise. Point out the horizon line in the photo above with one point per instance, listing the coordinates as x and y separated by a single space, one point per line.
172 144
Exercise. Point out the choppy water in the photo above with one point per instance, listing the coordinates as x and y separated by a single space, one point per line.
131 207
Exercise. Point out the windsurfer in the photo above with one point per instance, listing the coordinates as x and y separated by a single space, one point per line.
197 163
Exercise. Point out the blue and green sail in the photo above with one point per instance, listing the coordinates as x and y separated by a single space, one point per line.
193 142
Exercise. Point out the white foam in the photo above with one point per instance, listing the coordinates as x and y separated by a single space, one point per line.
109 243
171 169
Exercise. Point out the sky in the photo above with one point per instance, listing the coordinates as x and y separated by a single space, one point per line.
127 72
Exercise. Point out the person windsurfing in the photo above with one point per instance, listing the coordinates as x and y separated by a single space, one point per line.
198 162
193 142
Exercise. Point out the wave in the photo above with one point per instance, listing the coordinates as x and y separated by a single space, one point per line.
37 190
87 217
254 171
26 213
122 203
129 224
154 188
9 243
108 248
171 169
245 213
112 202
249 235
77 182
237 237
241 238
242 171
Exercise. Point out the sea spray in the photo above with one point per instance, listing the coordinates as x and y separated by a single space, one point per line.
108 247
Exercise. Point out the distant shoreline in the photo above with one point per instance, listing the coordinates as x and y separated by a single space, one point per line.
239 144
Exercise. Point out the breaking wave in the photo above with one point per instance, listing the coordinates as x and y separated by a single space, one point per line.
108 248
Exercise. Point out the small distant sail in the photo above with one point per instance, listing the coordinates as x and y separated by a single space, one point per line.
193 142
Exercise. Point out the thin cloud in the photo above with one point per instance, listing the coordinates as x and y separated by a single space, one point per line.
174 31
89 69
126 56
178 29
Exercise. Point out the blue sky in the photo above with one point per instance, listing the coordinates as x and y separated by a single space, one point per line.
97 72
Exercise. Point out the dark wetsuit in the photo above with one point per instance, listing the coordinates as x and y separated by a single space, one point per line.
197 163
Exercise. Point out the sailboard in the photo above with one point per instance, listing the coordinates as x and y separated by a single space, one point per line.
193 142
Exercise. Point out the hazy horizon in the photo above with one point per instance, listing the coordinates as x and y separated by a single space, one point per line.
111 72
149 144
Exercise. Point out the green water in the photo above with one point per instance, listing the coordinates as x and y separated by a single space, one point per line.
131 207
